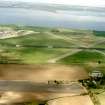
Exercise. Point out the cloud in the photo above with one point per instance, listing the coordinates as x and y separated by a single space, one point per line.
99 3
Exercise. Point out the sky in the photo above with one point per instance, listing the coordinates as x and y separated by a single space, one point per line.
95 3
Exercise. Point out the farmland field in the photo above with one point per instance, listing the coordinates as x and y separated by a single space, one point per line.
44 44
84 57
28 53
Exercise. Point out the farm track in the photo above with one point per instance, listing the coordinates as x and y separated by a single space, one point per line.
20 86
63 56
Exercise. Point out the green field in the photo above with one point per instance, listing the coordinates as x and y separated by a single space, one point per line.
24 48
84 57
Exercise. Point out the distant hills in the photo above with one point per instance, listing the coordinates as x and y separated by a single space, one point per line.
48 7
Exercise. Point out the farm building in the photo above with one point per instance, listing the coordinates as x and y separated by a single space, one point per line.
96 74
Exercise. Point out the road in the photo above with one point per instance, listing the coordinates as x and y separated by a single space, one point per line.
26 86
54 60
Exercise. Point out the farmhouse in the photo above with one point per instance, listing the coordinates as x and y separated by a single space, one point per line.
96 75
